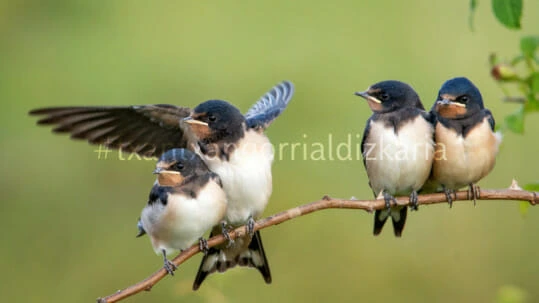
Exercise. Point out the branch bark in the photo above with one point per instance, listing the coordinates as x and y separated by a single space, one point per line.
513 193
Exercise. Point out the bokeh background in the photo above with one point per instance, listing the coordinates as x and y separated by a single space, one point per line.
68 219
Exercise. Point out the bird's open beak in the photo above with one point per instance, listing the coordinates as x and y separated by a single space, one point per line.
368 97
190 120
157 171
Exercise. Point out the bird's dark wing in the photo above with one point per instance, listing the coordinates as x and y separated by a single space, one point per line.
363 141
270 106
148 130
490 118
429 116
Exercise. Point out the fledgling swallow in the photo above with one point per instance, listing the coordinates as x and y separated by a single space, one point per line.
397 148
186 200
466 144
231 144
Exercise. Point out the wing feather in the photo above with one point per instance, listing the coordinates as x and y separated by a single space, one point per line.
148 130
270 106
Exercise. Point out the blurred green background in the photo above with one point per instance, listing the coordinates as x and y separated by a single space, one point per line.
68 220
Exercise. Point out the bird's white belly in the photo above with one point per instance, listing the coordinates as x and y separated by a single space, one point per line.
246 177
399 163
181 222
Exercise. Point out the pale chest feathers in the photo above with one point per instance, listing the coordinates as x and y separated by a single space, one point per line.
460 161
399 162
183 220
246 177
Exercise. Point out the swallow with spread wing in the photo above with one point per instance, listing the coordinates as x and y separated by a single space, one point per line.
232 145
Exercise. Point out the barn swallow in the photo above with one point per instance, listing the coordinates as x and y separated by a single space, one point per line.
397 148
186 200
232 145
466 144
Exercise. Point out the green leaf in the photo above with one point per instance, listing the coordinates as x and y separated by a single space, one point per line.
508 12
528 45
531 106
473 6
517 59
525 205
532 186
534 82
515 121
523 208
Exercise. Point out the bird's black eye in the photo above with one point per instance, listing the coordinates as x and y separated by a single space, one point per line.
384 96
179 166
212 118
464 99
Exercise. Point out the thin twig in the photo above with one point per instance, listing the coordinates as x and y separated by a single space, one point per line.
325 203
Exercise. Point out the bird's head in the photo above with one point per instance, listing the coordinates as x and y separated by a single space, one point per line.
216 120
391 95
458 98
175 165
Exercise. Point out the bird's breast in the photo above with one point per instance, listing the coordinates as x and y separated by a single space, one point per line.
399 161
459 160
246 176
184 219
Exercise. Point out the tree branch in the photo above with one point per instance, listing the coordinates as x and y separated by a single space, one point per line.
513 193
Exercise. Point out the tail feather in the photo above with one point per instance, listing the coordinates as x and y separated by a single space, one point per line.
221 259
398 217
258 257
380 217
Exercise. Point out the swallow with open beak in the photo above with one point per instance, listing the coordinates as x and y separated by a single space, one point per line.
186 200
232 145
397 148
466 144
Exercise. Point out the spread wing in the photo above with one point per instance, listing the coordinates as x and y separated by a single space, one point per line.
270 106
148 130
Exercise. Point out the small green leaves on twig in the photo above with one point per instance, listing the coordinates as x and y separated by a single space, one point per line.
528 46
525 205
508 12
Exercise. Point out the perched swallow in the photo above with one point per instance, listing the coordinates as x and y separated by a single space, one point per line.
186 200
235 147
397 148
231 144
466 144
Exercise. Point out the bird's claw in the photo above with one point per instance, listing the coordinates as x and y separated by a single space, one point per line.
414 203
203 245
168 266
448 193
388 199
251 227
474 190
224 229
